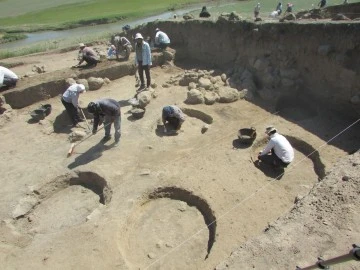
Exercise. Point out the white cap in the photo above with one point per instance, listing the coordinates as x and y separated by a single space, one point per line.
81 45
81 87
157 29
138 36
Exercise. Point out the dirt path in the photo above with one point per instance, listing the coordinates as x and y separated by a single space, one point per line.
66 225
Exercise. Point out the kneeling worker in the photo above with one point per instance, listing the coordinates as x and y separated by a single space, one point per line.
278 152
109 109
88 55
161 39
174 116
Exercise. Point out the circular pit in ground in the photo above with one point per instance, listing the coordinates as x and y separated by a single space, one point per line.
65 202
171 221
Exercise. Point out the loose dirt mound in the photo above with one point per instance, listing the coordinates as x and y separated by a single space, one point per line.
320 224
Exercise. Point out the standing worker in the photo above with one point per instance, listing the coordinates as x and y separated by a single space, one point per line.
161 39
174 116
289 8
143 60
204 13
279 8
70 100
8 78
257 10
322 3
278 152
109 110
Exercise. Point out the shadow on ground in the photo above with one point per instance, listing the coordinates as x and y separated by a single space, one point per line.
62 123
159 131
269 171
91 154
237 144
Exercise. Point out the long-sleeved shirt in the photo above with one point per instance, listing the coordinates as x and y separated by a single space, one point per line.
71 95
4 72
161 38
281 146
89 53
121 41
105 106
144 54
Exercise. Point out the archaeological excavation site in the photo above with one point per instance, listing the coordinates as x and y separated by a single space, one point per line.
195 199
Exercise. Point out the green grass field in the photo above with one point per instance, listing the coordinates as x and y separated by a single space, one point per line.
76 10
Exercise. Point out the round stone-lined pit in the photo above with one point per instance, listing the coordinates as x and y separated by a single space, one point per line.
170 218
64 202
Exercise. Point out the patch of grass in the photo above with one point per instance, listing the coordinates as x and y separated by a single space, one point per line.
49 46
29 50
9 37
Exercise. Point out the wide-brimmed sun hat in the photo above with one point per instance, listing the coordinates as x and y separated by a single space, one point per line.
138 36
270 129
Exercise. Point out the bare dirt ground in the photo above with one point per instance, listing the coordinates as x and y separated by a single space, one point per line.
145 203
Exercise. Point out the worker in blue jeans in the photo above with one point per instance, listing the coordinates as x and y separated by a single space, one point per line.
109 110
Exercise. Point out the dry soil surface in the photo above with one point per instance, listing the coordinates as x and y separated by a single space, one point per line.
145 203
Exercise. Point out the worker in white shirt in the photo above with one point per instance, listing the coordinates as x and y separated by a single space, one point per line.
70 100
161 39
278 152
257 10
8 78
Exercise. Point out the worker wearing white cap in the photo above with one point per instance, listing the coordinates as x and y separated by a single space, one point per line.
88 55
70 100
143 60
161 39
7 78
278 152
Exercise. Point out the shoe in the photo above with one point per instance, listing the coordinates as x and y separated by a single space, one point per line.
106 138
141 88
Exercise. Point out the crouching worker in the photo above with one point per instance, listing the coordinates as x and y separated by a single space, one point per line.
109 110
278 152
70 100
173 116
122 44
88 55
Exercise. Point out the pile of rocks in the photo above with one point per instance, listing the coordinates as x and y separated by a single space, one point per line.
206 87
90 83
233 17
